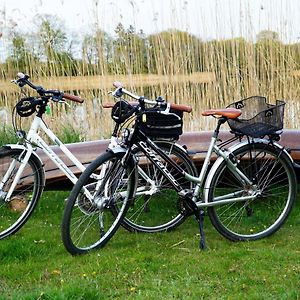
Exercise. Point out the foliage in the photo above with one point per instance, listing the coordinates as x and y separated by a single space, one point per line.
7 135
130 52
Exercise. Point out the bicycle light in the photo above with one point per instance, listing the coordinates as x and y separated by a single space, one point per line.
21 134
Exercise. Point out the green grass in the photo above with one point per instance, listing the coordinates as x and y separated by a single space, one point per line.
68 134
35 265
7 135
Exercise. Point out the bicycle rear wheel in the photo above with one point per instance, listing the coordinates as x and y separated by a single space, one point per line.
88 221
15 211
156 206
274 178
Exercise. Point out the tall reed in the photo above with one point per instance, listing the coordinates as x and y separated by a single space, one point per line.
174 64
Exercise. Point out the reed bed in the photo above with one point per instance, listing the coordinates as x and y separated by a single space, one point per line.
173 64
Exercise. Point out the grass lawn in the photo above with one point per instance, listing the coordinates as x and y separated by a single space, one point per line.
35 265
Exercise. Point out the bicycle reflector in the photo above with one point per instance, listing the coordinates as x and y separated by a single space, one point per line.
121 111
26 106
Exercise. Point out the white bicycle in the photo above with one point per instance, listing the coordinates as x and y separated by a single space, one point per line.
22 175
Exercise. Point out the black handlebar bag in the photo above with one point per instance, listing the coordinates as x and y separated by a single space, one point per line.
159 124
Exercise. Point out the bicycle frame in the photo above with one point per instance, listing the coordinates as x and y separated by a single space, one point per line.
33 138
150 150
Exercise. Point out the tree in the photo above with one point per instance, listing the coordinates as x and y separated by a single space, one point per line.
129 51
53 42
96 52
52 37
21 56
267 35
174 51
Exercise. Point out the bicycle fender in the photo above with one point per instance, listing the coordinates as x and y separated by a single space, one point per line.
264 141
117 149
15 146
219 160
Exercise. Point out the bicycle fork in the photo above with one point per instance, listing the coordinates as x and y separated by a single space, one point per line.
23 161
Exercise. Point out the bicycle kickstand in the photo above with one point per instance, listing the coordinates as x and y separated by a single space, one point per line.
191 208
200 219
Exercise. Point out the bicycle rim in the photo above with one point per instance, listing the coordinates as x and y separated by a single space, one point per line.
15 210
89 223
273 176
157 208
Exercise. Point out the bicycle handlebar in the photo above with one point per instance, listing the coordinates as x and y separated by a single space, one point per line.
120 90
184 108
56 95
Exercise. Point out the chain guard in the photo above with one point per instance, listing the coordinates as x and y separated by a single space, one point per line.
187 206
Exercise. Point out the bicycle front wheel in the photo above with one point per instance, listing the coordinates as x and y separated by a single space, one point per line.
274 181
17 208
88 221
156 206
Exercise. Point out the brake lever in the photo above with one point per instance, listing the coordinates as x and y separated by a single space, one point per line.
66 103
14 81
59 100
19 83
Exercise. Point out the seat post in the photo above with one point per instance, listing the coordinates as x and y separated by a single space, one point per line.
221 121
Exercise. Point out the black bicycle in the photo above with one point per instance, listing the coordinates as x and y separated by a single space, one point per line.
249 191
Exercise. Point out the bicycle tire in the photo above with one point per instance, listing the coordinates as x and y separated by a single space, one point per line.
15 212
271 170
160 211
84 226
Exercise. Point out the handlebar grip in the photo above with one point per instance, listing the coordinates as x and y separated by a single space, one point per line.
108 105
185 108
21 75
73 98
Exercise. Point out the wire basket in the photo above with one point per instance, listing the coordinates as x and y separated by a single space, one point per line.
258 117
